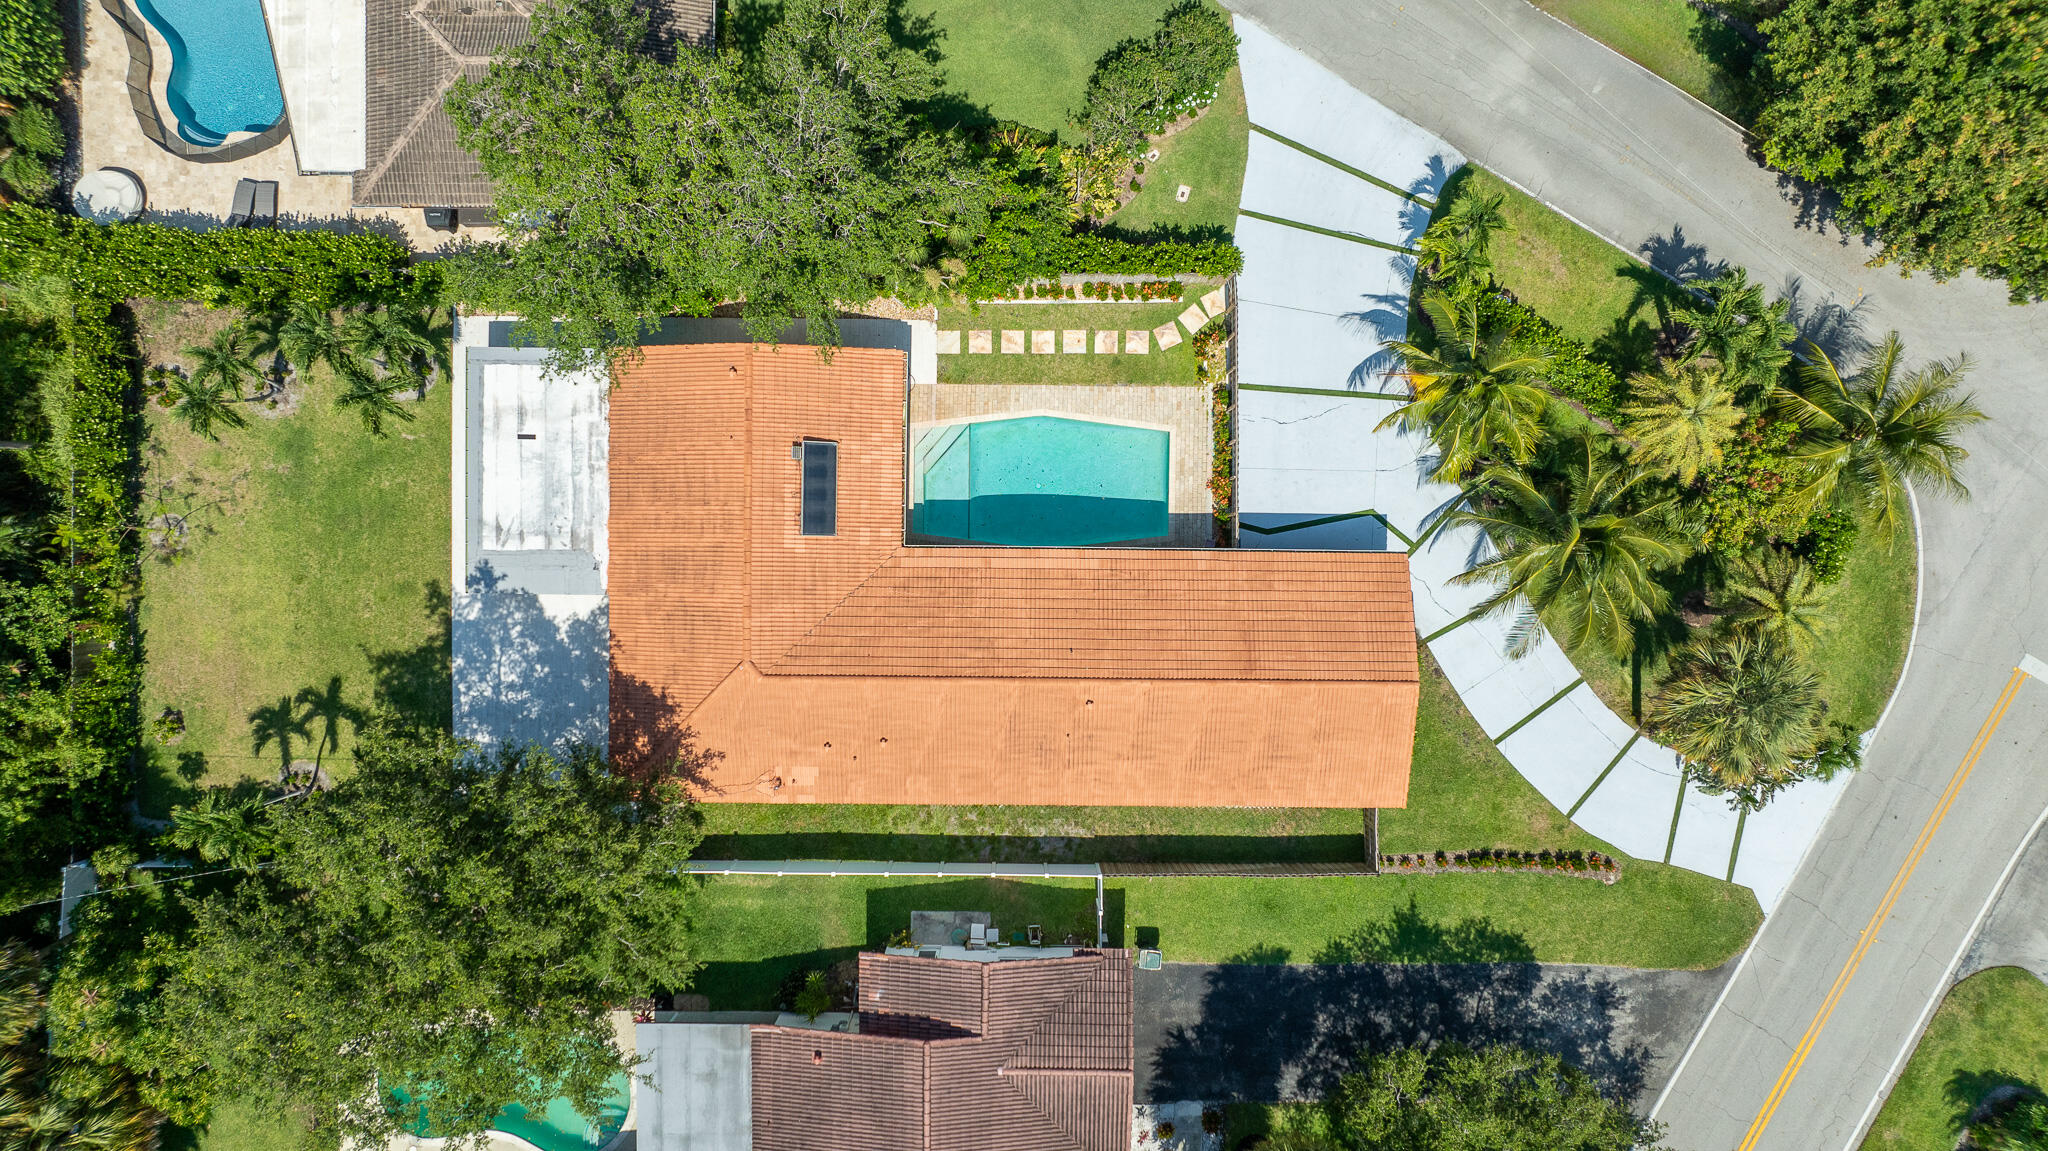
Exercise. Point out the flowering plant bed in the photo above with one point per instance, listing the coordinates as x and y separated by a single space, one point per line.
1588 864
1094 291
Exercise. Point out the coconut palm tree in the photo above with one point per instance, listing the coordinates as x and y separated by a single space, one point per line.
306 334
1682 416
227 359
375 400
1474 394
1584 545
1865 435
201 406
1743 710
1458 247
222 829
1775 593
21 1001
1736 324
403 341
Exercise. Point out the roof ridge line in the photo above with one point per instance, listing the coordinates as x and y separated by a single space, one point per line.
830 612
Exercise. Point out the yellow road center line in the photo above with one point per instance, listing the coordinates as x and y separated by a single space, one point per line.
1884 909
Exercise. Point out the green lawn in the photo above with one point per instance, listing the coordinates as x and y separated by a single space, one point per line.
316 551
1031 62
236 1126
753 932
1693 50
1208 156
1175 365
1990 1032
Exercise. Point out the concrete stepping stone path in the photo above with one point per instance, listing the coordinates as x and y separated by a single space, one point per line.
1042 343
1167 335
980 343
1193 319
949 341
1212 303
1074 340
1013 342
1105 343
1137 342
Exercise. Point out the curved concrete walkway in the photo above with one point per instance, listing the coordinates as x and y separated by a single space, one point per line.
1336 187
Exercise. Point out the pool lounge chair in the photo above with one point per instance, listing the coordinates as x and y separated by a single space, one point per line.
265 215
245 203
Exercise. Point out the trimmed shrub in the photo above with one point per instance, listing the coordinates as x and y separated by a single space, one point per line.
31 48
1141 86
34 130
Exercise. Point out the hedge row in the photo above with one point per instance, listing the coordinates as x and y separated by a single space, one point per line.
1572 372
1018 252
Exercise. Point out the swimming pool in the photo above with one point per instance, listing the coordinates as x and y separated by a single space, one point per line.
223 78
558 1127
1041 481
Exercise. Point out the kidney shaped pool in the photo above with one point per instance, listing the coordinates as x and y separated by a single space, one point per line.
223 79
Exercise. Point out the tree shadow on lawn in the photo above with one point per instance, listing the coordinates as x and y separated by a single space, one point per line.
752 984
417 684
1980 1095
1258 1030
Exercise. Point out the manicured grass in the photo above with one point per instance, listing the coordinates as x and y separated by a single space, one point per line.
236 1125
1031 62
1694 51
1208 156
1175 365
1990 1032
316 551
753 932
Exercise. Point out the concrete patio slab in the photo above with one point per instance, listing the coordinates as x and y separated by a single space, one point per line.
1631 809
1013 342
981 342
949 341
1293 185
1563 750
1706 833
320 47
1775 839
1303 101
1074 341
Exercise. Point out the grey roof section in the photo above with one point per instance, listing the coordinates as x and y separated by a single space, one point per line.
538 490
701 1097
417 49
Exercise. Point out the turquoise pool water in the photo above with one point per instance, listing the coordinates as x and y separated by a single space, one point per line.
223 78
1042 481
559 1127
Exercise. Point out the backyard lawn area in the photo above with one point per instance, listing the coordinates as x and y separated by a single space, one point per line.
1175 365
1990 1032
1208 156
1692 49
317 558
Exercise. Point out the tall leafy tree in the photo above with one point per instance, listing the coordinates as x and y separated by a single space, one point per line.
50 1101
1582 545
1864 434
403 340
1456 1098
1737 325
447 921
223 828
1926 116
1744 710
1680 419
795 174
1475 393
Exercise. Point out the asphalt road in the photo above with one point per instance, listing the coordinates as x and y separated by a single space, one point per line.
1643 165
1266 1033
2015 934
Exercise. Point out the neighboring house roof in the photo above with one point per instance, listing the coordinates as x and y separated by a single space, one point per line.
417 49
1019 1055
855 669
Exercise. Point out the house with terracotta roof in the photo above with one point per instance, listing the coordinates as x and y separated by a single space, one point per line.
747 552
983 1054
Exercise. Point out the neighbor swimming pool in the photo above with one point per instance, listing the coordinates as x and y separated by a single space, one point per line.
223 78
559 1127
1041 481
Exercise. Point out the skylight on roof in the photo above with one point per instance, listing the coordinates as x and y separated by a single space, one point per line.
821 487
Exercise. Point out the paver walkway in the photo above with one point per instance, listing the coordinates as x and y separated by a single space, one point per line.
1336 188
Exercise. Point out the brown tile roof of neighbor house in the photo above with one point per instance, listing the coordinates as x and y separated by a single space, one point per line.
854 669
1018 1055
417 49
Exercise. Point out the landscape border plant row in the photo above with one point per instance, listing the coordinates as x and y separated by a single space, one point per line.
1008 258
92 462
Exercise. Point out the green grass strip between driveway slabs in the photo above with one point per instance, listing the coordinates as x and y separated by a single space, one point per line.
1604 773
1540 709
1330 232
1341 166
1322 392
1336 519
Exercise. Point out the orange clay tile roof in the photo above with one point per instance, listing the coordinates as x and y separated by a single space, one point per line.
854 669
1021 1055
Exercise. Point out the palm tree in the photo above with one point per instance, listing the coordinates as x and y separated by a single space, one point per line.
1458 247
1474 395
331 710
277 723
1683 415
1775 594
402 340
21 998
306 334
375 400
221 829
228 359
201 406
1738 326
1583 546
1743 711
1864 436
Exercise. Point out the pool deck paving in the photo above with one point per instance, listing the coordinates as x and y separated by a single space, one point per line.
1320 468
